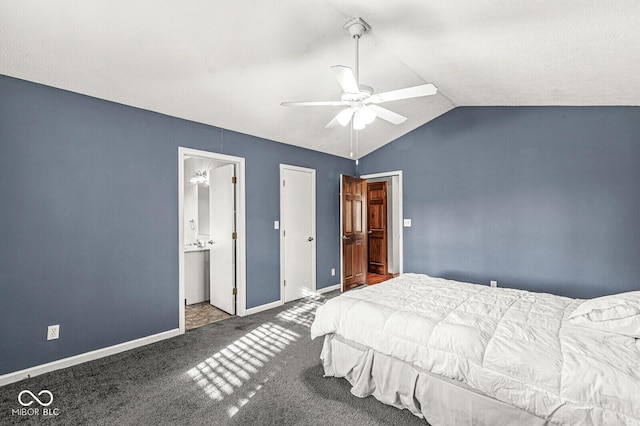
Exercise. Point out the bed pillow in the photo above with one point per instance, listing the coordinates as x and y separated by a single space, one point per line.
618 313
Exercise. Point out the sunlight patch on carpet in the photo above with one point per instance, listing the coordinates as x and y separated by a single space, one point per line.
229 371
302 312
225 371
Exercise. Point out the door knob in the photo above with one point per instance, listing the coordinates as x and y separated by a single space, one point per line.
344 237
310 239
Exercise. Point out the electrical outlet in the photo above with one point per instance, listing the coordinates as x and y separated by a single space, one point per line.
494 283
53 332
333 271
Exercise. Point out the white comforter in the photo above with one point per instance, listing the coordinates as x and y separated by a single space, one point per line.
513 345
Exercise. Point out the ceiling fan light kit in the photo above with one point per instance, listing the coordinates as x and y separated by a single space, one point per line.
367 115
344 116
358 122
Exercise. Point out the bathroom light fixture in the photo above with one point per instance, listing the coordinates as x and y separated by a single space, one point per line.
200 177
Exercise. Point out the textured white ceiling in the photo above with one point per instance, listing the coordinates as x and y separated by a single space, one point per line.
231 63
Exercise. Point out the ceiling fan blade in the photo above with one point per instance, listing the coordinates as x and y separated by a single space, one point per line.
342 118
388 115
345 77
318 103
406 93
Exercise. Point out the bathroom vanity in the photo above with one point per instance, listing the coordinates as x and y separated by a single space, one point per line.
196 273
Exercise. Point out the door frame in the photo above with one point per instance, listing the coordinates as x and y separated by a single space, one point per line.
241 247
397 173
313 221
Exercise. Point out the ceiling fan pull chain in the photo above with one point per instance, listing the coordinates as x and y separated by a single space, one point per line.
357 143
351 141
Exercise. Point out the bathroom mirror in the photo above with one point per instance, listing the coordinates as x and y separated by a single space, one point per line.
203 212
196 201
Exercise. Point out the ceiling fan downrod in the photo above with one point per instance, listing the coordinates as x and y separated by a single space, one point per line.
357 27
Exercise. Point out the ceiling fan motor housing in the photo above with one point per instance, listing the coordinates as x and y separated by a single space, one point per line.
364 93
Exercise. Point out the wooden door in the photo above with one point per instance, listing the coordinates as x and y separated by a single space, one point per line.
222 255
354 236
377 227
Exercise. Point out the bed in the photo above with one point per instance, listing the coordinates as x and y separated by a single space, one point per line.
461 353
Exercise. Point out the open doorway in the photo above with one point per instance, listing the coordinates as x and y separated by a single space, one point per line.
356 235
211 237
383 228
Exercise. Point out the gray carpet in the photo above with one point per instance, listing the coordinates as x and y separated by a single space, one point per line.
258 370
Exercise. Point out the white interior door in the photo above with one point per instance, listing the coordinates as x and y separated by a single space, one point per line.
298 232
222 225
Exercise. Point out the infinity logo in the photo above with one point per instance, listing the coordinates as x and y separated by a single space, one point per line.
26 404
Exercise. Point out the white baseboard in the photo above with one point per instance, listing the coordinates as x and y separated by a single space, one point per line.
264 307
330 288
16 376
278 303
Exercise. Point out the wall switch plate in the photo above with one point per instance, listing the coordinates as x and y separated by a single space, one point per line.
407 223
494 283
53 332
276 224
333 271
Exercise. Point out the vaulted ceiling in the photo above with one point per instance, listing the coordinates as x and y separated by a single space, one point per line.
231 63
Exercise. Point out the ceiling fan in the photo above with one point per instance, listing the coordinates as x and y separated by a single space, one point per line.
361 102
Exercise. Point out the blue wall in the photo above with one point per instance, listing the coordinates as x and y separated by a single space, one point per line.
540 198
89 219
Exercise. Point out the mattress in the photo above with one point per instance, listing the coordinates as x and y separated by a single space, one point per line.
516 347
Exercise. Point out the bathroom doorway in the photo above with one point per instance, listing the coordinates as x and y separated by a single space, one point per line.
211 237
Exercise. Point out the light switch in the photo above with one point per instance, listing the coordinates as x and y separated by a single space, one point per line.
276 224
407 223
